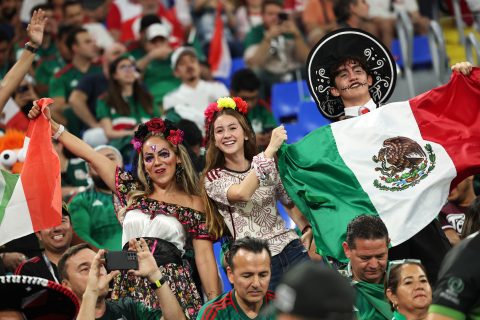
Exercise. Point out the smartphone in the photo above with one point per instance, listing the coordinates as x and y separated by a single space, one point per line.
121 260
282 16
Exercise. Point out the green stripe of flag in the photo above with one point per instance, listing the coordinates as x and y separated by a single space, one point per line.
8 181
322 189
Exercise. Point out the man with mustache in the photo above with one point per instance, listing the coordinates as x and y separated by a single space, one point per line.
248 269
93 215
361 77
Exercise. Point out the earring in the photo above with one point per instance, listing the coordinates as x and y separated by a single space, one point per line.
149 182
246 138
178 172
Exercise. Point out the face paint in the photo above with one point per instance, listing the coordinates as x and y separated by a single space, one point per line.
354 84
153 147
164 153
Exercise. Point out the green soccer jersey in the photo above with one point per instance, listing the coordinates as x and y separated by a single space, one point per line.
225 307
261 119
47 67
160 80
76 174
136 115
64 81
94 221
127 308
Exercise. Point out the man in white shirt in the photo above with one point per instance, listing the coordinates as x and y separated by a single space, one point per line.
194 94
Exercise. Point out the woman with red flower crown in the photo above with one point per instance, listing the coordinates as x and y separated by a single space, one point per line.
161 205
241 189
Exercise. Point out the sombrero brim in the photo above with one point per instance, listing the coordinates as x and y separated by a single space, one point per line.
37 298
340 44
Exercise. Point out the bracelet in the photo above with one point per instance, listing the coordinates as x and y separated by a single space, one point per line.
157 284
306 228
57 134
30 48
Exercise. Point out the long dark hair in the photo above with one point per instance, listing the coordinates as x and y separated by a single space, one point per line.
114 92
471 223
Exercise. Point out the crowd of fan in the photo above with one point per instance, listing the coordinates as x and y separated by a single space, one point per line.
111 66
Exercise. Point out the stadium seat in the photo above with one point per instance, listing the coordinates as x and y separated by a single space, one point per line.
309 118
286 99
422 57
295 132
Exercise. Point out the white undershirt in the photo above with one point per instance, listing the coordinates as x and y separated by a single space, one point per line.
138 224
353 111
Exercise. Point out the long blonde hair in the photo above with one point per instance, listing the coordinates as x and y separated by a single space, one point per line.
216 159
188 182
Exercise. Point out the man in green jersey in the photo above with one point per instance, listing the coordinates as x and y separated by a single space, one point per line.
248 269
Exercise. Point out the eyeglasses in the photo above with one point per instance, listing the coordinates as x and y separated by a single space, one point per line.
393 263
127 67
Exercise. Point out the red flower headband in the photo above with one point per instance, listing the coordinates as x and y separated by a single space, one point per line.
235 103
157 126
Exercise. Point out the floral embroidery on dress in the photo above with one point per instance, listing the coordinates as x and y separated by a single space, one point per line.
192 220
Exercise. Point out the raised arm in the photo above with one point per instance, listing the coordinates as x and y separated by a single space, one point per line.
105 167
463 67
16 74
244 190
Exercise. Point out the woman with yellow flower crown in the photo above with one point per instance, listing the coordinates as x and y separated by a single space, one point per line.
241 189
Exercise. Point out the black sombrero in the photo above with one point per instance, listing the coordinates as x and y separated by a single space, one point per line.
37 298
343 43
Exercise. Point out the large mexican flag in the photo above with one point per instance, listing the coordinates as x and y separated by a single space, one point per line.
32 200
397 162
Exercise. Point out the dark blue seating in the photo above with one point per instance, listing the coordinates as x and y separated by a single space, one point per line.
422 57
309 118
295 132
286 99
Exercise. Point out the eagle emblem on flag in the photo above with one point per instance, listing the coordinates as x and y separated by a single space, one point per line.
403 163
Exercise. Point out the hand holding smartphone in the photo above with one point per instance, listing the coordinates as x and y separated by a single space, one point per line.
121 260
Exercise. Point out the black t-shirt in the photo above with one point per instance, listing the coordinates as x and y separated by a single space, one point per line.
128 309
37 267
93 85
457 294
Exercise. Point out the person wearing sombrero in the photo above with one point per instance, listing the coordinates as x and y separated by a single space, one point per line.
350 73
26 297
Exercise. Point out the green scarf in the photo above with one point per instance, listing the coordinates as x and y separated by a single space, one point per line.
398 316
371 301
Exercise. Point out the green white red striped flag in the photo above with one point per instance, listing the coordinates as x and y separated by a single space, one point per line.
32 200
398 162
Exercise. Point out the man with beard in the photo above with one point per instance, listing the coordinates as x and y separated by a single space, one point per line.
194 94
55 242
93 215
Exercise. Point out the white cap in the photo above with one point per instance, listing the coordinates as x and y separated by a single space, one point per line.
157 30
178 53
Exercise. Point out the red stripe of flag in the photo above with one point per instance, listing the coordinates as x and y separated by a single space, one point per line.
450 116
41 174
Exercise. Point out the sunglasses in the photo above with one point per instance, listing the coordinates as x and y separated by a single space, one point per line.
394 263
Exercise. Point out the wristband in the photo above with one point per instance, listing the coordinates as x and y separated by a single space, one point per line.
30 48
57 134
306 228
157 284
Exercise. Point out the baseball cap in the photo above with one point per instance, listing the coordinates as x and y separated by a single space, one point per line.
313 290
157 30
180 51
